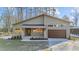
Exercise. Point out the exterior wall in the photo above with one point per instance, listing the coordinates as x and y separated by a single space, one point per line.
52 21
38 20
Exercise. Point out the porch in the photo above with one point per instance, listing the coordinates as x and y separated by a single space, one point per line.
34 32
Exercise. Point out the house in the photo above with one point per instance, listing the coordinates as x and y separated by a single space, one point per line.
43 26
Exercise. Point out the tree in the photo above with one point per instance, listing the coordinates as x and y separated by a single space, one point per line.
19 13
66 17
75 15
7 18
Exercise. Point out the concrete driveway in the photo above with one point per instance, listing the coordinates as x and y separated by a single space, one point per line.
53 41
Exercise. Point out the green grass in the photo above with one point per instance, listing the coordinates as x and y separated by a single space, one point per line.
17 45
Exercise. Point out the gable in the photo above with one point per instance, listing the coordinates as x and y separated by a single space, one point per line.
37 20
51 20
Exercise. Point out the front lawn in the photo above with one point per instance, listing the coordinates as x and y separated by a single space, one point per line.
17 45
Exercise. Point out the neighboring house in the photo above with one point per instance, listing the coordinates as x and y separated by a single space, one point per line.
43 26
74 30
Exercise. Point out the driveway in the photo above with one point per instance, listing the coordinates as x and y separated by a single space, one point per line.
69 45
54 41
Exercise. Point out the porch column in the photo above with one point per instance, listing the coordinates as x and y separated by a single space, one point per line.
46 32
22 33
67 32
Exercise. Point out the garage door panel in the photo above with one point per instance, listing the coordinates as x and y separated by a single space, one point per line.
56 33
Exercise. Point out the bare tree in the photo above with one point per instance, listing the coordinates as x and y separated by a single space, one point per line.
7 18
66 17
19 13
75 14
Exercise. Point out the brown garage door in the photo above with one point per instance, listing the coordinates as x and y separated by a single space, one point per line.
56 33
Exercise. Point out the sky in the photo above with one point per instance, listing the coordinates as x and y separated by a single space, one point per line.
64 11
1 11
60 10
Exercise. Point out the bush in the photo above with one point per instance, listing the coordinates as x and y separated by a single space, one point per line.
16 38
38 38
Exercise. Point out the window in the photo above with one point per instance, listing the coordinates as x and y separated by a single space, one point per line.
54 25
50 25
27 32
17 29
57 25
38 30
62 25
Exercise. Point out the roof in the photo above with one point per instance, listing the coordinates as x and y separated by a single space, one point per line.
42 15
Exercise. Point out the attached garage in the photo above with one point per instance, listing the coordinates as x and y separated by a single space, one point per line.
56 33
